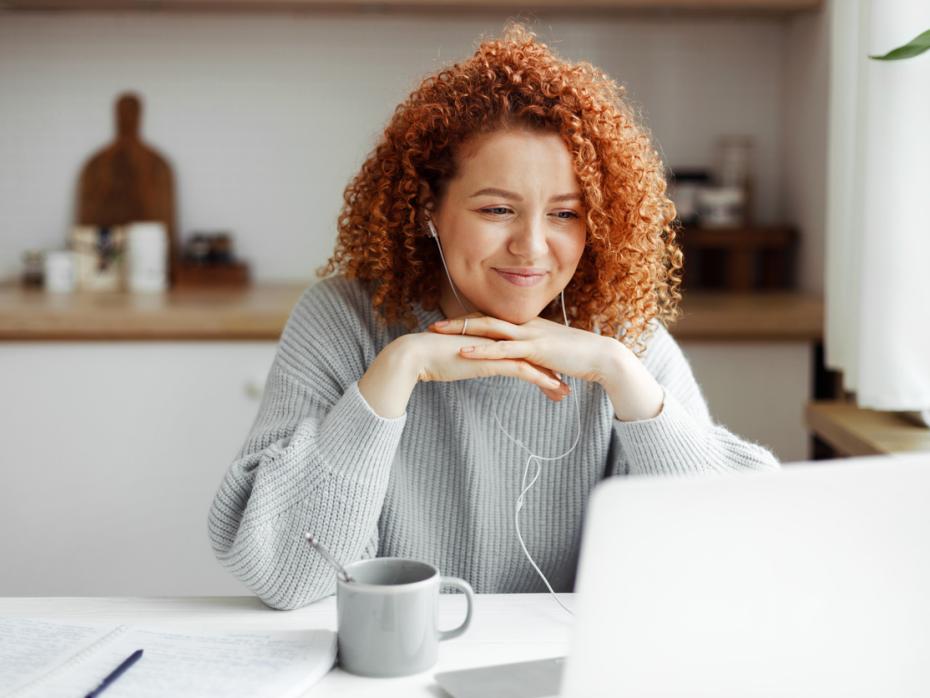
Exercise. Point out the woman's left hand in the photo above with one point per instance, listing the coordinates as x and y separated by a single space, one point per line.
567 351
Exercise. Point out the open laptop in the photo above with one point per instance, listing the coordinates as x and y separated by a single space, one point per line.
809 582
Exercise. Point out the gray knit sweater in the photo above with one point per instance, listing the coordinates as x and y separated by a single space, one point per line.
439 482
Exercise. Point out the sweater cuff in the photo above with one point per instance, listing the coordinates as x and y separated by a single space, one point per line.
355 441
667 444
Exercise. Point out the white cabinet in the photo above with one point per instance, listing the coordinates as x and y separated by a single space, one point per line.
112 453
758 390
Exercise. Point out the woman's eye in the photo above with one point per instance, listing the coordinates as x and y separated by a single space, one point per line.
503 210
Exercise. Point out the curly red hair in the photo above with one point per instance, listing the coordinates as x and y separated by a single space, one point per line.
630 270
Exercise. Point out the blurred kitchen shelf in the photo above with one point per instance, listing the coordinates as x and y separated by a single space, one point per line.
751 7
855 431
780 316
739 259
200 276
259 312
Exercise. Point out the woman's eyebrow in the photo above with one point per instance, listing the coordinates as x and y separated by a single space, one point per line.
576 196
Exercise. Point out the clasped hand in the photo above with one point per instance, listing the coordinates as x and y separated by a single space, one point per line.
539 351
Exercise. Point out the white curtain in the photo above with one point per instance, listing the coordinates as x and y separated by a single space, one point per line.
878 205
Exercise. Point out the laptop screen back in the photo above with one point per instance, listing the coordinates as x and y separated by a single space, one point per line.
813 581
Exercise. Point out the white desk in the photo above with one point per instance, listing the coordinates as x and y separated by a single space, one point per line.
505 628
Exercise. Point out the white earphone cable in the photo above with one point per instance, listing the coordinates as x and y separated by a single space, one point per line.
435 235
525 488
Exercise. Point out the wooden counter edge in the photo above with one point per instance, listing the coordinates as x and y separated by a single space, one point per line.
260 313
856 431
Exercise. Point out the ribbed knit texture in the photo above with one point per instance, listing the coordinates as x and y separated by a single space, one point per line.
438 483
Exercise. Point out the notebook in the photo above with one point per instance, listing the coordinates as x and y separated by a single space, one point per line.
52 660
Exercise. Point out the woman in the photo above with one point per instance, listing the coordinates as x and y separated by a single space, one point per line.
508 244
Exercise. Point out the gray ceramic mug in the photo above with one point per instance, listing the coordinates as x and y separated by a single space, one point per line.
388 616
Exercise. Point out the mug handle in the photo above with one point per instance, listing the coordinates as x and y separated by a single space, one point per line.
469 600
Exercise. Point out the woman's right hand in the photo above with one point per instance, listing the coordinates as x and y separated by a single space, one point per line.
431 356
438 359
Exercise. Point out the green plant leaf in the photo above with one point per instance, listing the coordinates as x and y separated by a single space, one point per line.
915 47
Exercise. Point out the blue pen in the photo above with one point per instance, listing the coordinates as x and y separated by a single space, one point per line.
115 674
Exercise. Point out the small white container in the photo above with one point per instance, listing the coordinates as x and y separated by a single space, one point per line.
60 273
722 207
146 257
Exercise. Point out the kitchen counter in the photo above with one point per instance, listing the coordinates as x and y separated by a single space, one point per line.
856 431
256 312
259 312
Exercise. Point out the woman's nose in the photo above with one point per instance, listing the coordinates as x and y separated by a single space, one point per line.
529 239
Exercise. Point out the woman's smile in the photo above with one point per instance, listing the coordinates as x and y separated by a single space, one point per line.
525 278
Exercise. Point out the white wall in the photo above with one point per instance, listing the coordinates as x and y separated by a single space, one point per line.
266 117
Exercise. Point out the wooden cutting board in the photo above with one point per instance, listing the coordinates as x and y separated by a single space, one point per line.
127 180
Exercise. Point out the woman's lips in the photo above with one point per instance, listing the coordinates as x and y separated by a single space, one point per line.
522 279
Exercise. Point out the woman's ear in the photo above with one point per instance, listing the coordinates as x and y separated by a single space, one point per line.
425 198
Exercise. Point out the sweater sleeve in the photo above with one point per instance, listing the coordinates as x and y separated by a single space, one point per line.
316 459
682 439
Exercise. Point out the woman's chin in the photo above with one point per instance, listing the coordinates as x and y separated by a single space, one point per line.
516 316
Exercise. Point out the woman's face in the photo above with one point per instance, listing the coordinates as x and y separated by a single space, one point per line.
511 225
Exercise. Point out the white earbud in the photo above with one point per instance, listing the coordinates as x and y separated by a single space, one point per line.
432 229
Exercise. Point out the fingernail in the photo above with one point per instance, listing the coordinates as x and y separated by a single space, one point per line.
553 383
440 323
467 349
